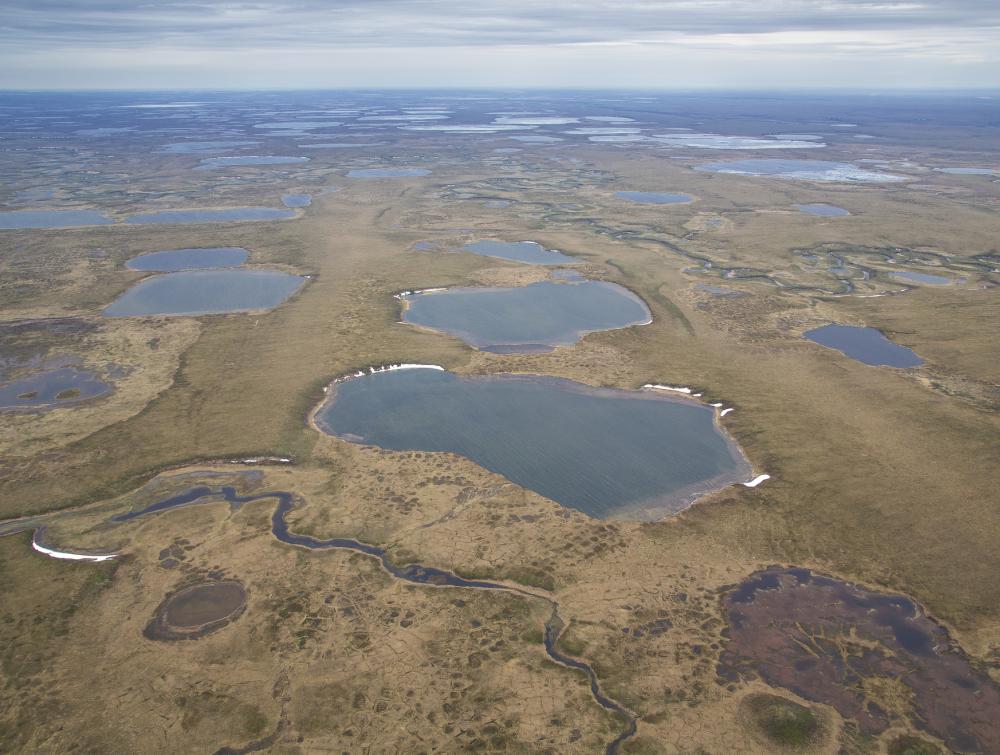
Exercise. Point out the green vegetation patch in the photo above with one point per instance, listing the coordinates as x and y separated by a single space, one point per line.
783 722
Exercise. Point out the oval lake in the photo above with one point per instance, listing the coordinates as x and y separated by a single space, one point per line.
172 260
205 292
536 317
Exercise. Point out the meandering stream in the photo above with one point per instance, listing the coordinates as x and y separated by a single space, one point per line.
414 573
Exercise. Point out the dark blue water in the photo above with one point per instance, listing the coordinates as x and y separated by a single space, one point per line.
226 215
823 210
866 345
520 251
543 314
171 260
653 197
48 389
205 292
51 219
604 452
387 172
296 200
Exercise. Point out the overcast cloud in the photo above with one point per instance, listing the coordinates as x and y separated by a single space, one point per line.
718 43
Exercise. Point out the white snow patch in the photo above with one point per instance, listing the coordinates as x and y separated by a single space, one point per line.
724 412
658 387
757 480
69 556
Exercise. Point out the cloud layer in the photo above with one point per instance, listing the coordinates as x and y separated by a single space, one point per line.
102 33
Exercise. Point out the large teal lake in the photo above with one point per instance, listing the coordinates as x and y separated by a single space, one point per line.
607 453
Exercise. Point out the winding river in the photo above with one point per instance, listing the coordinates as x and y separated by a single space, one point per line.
413 573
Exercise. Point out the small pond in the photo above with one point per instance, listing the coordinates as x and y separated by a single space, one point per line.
205 292
520 251
605 452
910 276
171 260
197 611
52 387
387 172
51 219
537 317
823 210
222 215
296 200
866 345
654 197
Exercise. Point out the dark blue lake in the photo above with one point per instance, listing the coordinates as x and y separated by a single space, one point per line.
529 318
823 210
51 219
520 251
223 215
608 453
205 292
866 345
653 197
171 260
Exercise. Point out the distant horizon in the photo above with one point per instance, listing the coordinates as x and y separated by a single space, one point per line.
990 90
633 44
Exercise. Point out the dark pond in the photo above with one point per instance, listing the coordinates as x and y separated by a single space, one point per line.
529 318
225 162
926 278
60 384
296 200
808 170
202 604
823 210
205 292
51 219
866 345
387 172
608 453
171 260
520 251
654 197
224 215
197 611
824 639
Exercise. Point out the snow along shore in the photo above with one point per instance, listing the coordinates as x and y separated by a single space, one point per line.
66 554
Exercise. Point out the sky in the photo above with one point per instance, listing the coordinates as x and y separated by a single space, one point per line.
591 44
